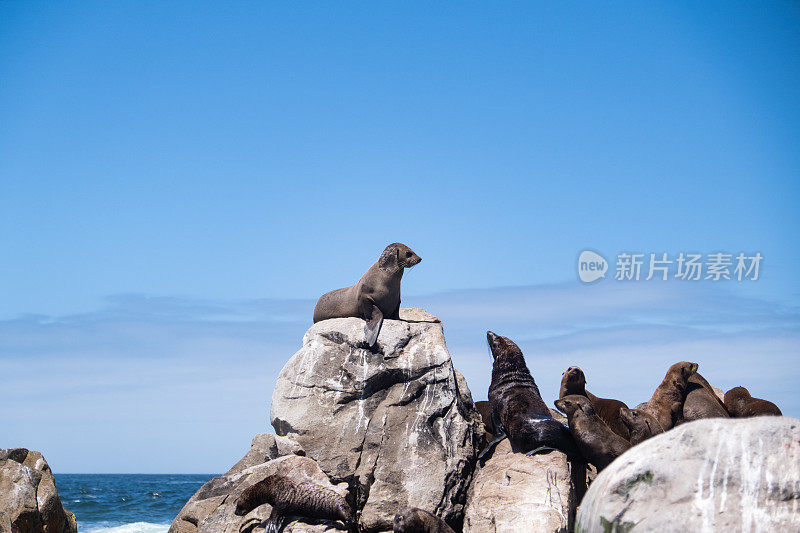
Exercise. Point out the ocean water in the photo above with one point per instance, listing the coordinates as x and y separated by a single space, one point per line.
126 503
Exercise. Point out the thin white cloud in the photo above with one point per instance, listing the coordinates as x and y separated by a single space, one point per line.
193 378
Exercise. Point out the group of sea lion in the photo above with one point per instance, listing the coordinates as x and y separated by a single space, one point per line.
601 429
598 429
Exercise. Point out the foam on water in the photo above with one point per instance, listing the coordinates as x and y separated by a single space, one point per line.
135 527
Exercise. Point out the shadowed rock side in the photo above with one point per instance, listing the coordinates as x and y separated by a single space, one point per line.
397 422
516 492
715 474
29 501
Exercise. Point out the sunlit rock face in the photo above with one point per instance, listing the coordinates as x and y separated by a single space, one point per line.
29 500
515 492
398 422
709 475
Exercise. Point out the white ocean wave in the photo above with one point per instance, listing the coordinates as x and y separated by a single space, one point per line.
134 527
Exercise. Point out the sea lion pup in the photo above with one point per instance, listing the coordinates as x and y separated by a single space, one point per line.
574 382
596 441
518 411
666 404
641 425
740 404
414 520
701 401
376 295
289 497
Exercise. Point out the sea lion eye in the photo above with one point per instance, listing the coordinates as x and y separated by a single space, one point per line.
408 254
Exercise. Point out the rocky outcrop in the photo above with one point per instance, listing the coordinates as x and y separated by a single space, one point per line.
514 492
397 423
29 500
708 475
211 509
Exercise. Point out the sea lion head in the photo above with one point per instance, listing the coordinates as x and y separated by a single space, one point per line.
573 381
410 520
639 423
574 403
681 372
502 346
735 396
398 255
630 417
256 495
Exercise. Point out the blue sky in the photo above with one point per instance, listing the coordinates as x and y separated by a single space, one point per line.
179 182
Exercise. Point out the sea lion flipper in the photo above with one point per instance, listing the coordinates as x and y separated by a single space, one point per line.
275 523
373 325
542 449
499 434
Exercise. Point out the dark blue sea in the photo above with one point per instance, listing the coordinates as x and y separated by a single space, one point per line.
126 503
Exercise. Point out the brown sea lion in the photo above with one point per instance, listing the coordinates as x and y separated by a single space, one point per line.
666 404
573 381
741 405
701 401
414 520
518 411
641 425
596 441
289 497
376 295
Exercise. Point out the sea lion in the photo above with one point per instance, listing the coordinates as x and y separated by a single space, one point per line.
414 520
666 404
518 411
573 381
376 295
289 497
596 441
641 425
701 401
741 405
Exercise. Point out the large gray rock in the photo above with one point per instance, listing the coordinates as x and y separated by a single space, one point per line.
399 423
211 509
29 500
514 492
709 475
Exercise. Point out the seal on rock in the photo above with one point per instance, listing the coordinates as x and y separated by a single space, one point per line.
596 441
289 497
376 295
641 425
518 411
666 404
414 520
573 381
701 401
740 404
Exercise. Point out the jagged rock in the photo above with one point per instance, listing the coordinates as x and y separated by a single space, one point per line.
398 423
211 509
709 475
29 500
514 492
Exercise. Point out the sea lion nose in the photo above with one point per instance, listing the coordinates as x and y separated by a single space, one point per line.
490 337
